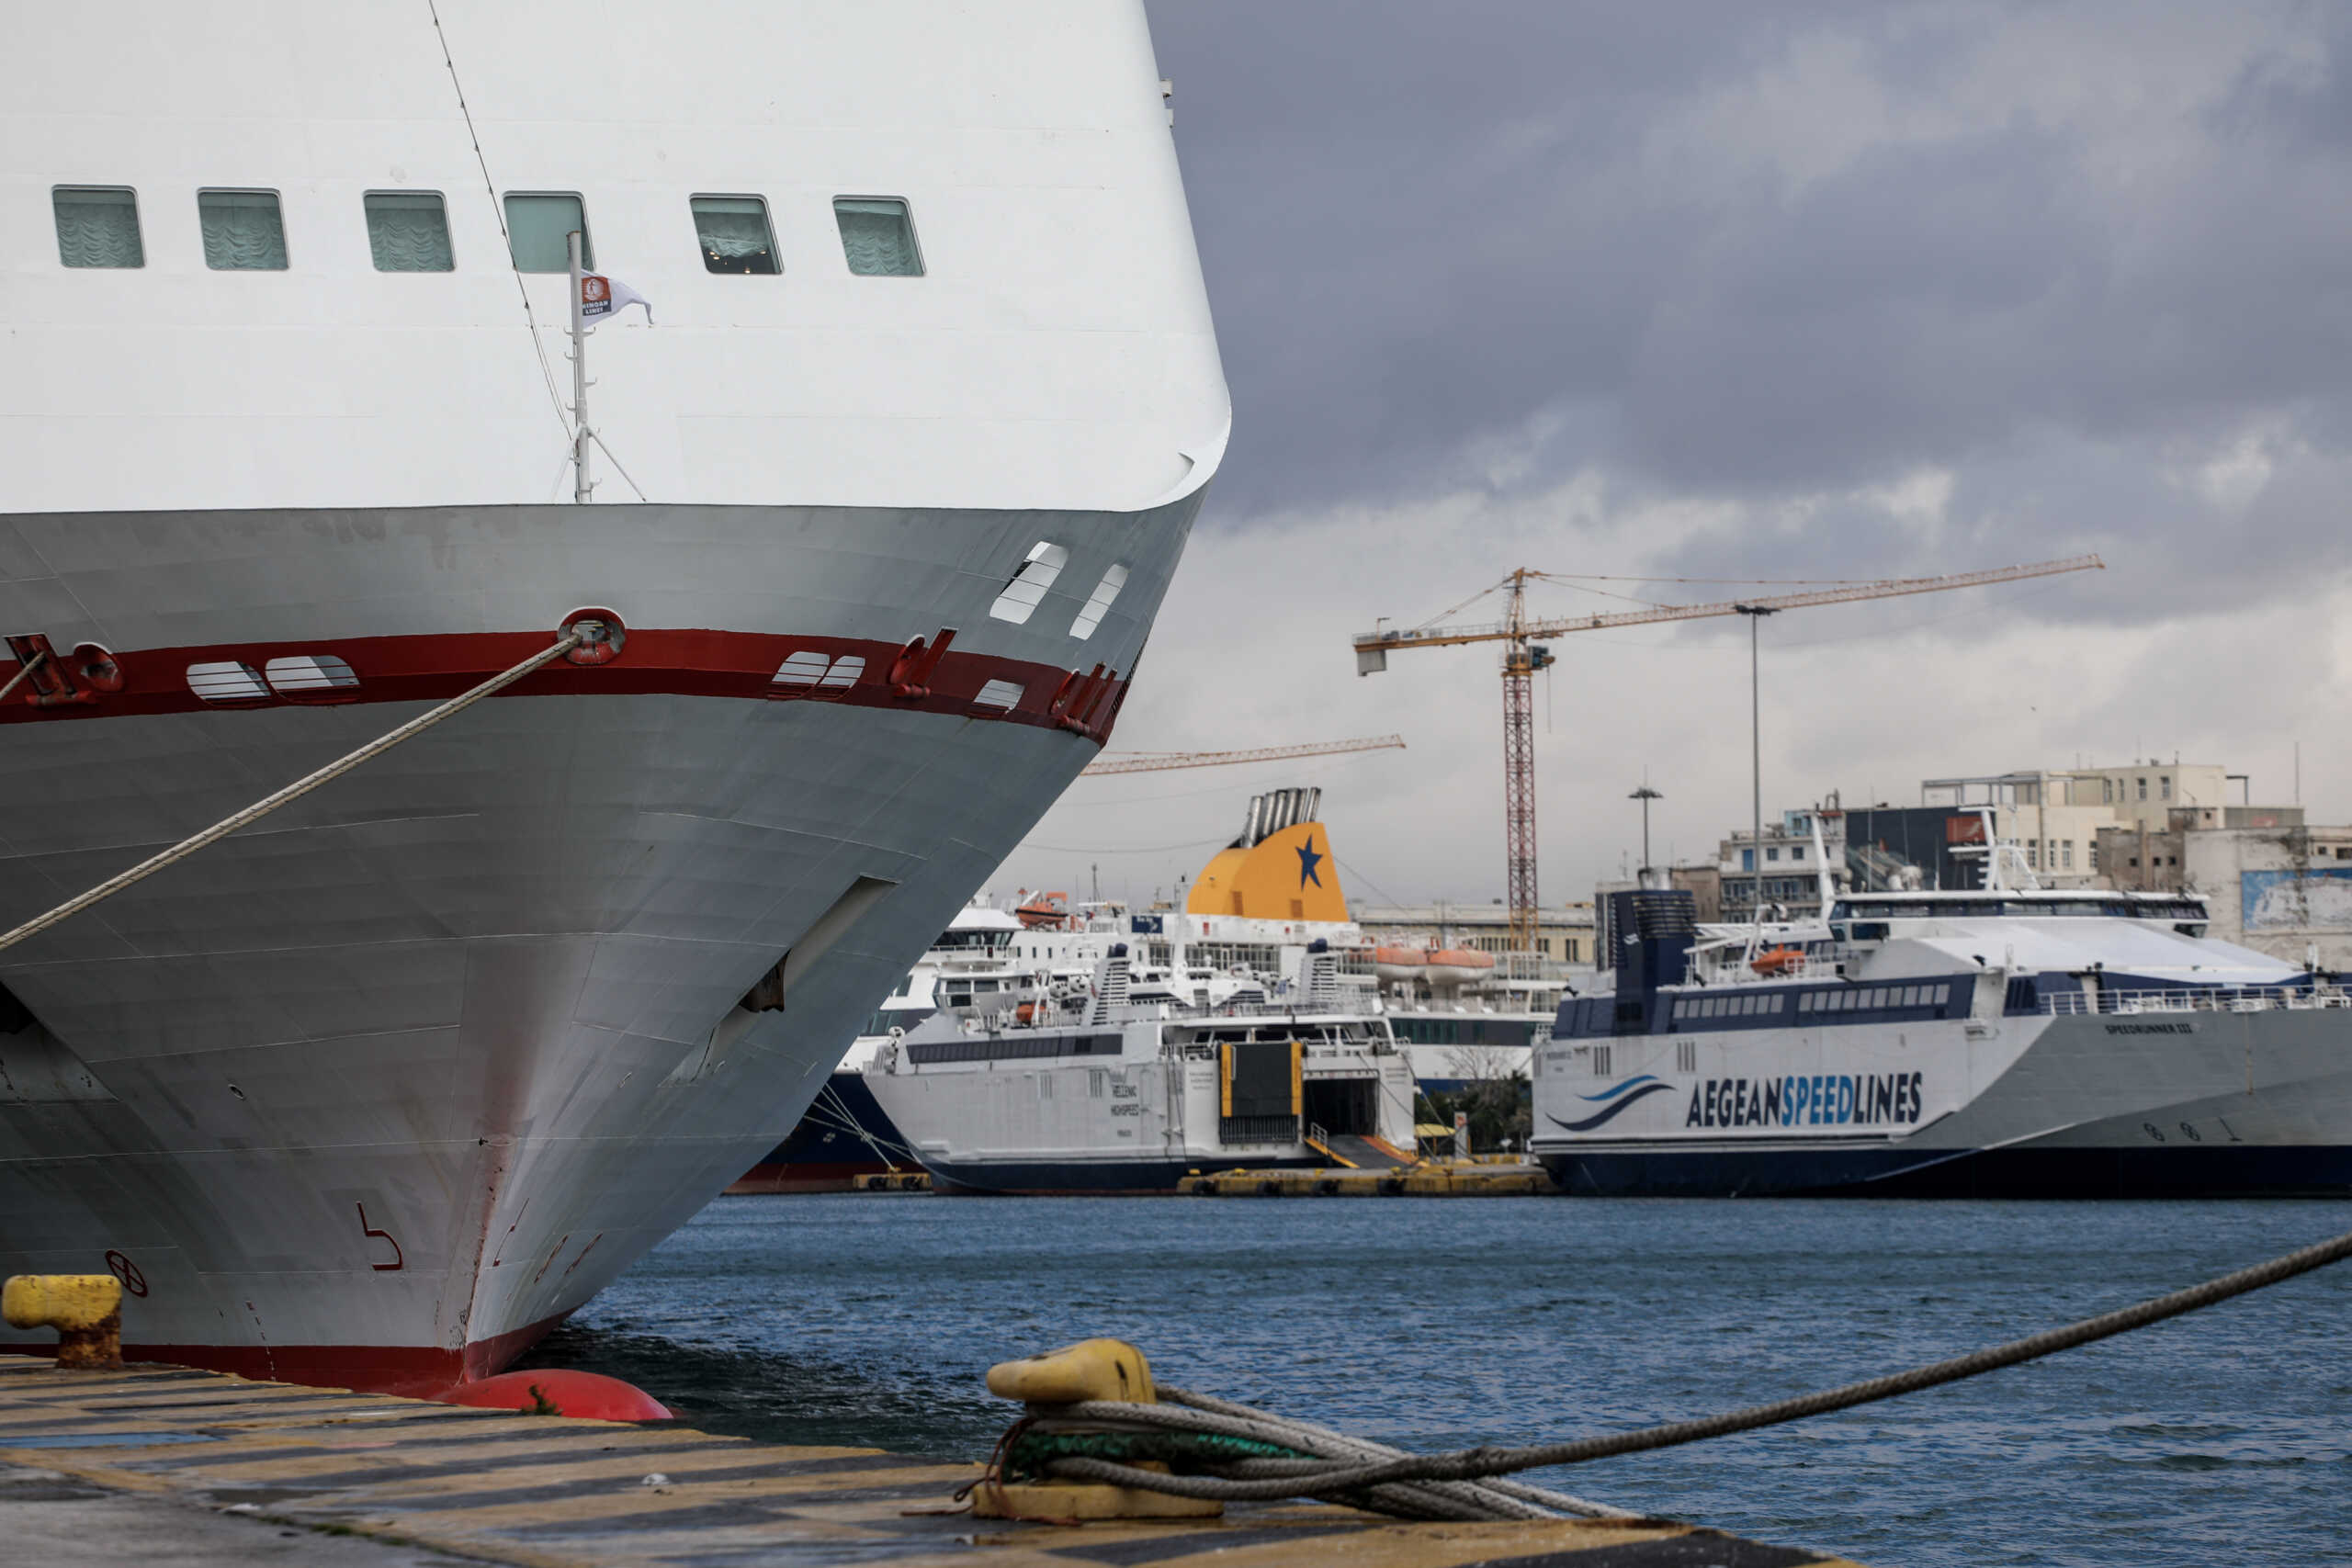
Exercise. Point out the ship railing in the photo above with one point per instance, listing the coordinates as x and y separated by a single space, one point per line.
1260 1009
2202 999
1733 968
1540 968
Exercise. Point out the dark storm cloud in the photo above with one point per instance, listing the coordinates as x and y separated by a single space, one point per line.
2067 255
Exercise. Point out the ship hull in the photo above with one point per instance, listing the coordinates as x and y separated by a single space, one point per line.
1101 1178
2287 1171
1012 1111
2193 1103
375 1091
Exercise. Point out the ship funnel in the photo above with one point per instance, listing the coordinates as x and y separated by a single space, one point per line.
1110 977
1649 941
1276 809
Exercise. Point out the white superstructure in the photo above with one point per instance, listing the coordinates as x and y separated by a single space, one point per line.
375 1091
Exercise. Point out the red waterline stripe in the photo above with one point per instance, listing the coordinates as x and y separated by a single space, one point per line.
417 1371
670 663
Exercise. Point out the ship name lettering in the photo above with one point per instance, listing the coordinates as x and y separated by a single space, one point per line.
1128 1108
1866 1099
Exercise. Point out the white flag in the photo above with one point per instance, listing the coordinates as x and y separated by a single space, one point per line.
602 299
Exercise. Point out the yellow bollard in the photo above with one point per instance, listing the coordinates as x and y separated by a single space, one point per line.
1089 1370
1092 1369
85 1309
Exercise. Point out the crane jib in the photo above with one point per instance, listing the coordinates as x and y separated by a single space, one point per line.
1889 587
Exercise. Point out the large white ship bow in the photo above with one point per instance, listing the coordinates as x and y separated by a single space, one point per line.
374 1091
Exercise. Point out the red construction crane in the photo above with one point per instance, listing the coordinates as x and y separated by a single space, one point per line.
1522 657
1154 761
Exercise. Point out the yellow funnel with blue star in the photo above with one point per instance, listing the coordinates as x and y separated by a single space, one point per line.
1280 869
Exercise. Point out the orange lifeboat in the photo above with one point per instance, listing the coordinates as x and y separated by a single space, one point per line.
1045 911
1778 961
1459 965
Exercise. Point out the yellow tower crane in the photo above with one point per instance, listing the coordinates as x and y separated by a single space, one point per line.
1523 655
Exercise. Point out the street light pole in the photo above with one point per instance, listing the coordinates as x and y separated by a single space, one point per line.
1756 614
1645 794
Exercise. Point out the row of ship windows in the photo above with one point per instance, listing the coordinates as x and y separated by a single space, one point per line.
806 672
1856 998
244 230
313 676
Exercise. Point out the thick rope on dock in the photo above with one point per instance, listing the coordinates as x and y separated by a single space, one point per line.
573 637
1199 1430
1381 1485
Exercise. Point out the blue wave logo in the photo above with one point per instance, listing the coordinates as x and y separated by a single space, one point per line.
1614 1100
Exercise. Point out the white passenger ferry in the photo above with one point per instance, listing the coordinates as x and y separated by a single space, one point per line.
2002 1041
1130 1096
376 1092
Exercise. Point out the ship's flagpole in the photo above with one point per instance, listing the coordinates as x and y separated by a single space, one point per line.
581 435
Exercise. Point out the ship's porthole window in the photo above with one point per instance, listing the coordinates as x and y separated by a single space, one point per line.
808 674
1027 588
97 226
805 668
309 674
227 683
1098 603
877 237
1004 695
734 234
408 231
243 230
539 224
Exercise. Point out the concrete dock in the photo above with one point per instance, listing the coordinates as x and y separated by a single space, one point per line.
1429 1178
169 1466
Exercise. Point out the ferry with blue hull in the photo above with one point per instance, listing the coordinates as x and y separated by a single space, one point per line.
2004 1042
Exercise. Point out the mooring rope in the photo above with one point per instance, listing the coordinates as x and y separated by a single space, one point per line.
573 637
1346 1478
829 1104
34 662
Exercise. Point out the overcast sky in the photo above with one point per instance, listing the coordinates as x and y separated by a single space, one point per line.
1738 291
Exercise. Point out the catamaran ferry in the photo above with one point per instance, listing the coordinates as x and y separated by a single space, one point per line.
2003 1042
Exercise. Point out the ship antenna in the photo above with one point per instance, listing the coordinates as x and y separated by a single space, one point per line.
530 322
582 487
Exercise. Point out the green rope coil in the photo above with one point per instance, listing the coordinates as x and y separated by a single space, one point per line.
1027 1456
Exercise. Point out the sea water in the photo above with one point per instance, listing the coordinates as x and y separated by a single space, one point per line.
1432 1324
